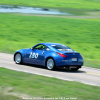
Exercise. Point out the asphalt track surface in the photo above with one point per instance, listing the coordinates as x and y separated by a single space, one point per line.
85 75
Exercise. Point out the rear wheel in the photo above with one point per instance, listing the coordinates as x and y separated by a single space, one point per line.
18 58
50 64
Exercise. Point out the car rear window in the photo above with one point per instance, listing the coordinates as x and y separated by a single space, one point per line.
61 47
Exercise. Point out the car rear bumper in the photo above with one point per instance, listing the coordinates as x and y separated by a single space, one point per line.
66 63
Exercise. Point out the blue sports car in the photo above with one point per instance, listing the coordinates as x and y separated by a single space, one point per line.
51 55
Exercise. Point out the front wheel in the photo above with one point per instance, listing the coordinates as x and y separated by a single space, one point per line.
50 64
18 58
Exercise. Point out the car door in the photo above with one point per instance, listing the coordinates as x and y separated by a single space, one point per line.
39 51
31 56
36 55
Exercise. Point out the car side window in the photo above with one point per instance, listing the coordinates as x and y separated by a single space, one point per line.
41 47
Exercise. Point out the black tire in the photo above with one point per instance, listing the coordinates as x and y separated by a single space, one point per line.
50 64
18 58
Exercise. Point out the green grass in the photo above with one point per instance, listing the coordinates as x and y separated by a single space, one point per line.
82 35
84 4
40 86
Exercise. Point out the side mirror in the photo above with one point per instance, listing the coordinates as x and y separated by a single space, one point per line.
32 48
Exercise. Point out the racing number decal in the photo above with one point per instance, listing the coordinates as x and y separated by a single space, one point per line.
33 55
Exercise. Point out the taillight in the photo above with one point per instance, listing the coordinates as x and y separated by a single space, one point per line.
62 55
81 56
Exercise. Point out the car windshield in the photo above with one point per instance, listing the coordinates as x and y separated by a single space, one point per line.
61 47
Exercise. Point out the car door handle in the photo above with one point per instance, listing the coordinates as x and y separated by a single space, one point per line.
42 52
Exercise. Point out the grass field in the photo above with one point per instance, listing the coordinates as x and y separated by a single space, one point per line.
13 83
19 31
84 4
82 35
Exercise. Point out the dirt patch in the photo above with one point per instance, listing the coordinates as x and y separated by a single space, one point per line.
9 91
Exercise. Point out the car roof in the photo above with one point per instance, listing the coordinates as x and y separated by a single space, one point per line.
49 44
